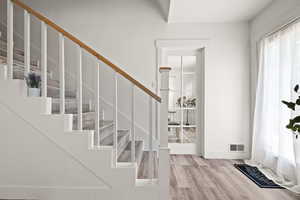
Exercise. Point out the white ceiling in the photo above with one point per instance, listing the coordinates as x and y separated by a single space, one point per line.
208 11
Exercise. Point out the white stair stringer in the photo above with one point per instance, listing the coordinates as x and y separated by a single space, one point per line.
77 144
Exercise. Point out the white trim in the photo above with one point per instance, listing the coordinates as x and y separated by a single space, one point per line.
227 155
183 148
182 43
198 47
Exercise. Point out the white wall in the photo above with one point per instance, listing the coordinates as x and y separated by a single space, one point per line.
125 31
278 13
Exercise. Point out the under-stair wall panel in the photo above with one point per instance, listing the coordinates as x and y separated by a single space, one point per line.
57 127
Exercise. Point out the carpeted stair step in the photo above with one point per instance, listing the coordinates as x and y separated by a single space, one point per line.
144 166
126 155
123 140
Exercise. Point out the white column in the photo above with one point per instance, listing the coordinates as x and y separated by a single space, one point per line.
132 124
97 107
115 117
164 158
44 67
26 42
150 167
62 73
10 38
164 106
79 89
164 173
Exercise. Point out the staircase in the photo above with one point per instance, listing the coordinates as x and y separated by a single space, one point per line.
127 167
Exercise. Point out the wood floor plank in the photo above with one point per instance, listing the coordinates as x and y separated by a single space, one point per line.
180 176
195 178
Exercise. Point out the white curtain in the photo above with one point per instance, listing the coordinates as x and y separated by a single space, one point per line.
275 149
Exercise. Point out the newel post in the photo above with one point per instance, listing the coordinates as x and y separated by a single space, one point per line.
164 158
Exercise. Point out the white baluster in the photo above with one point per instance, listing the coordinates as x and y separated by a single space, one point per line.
156 120
44 67
97 107
62 73
26 42
10 38
79 89
150 167
115 117
132 125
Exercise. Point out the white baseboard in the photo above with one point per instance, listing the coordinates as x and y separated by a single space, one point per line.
227 155
181 149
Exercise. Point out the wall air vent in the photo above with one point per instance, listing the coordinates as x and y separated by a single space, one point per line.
237 148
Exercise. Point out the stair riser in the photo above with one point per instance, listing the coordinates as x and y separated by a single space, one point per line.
19 74
16 50
89 120
104 132
19 68
71 108
18 57
54 93
88 124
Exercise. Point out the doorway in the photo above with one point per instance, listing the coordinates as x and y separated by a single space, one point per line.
183 126
186 94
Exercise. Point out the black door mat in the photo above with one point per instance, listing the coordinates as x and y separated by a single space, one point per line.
257 176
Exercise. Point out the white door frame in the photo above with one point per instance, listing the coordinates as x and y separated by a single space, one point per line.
187 47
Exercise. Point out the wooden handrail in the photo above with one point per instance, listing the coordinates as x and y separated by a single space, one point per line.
87 48
165 68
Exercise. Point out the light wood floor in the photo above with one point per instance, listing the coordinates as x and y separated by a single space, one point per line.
194 178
